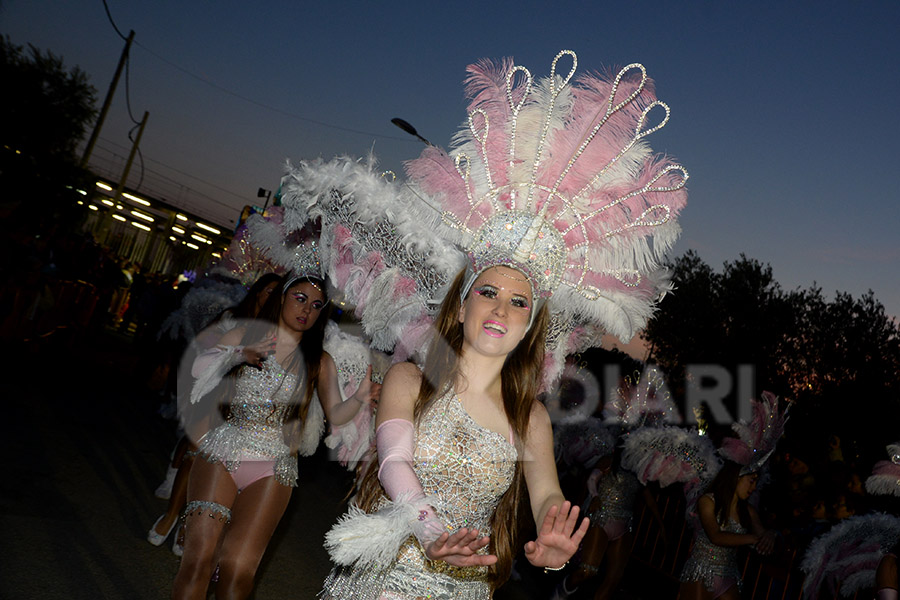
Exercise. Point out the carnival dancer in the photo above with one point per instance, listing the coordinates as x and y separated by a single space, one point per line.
551 208
723 518
185 449
727 522
282 380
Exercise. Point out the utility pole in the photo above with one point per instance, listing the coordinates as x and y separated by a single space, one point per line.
106 103
134 147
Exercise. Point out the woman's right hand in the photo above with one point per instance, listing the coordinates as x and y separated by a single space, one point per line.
254 354
460 549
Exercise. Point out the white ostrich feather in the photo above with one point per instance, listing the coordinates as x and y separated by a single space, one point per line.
372 539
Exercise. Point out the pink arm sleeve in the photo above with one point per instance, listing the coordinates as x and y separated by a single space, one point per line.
395 440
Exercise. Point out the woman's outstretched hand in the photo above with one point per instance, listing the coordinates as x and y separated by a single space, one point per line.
558 538
459 549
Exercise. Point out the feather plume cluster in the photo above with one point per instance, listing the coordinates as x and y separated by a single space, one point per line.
566 156
643 400
671 455
848 554
757 439
885 477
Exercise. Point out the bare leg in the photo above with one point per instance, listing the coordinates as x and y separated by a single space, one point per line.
886 577
209 482
693 590
256 513
730 594
617 554
179 487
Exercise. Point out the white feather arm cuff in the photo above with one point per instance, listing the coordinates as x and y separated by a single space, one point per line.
211 366
373 539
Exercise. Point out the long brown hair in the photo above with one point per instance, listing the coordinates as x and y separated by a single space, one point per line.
723 488
307 358
520 378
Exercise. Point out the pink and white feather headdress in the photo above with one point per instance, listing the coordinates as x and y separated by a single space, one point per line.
552 176
643 400
757 439
885 477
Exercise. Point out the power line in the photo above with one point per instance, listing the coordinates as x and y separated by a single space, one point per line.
180 172
111 21
267 106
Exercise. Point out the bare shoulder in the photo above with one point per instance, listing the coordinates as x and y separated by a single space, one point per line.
327 361
399 393
402 375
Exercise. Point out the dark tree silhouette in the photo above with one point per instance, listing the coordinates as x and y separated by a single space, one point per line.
44 112
839 360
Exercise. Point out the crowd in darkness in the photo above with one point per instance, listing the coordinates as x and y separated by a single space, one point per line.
63 277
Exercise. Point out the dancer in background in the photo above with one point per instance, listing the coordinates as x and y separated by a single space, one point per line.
185 449
282 380
727 522
639 401
723 518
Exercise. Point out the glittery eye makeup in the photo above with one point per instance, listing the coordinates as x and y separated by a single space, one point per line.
521 302
303 299
490 291
487 291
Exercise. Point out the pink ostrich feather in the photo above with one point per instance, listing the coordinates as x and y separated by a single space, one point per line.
415 335
363 275
757 439
486 87
435 172
590 107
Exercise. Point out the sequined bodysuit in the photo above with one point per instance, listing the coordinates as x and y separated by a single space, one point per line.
617 492
716 566
253 429
468 468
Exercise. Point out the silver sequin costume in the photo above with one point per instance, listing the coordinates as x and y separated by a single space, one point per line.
617 492
468 468
708 561
253 430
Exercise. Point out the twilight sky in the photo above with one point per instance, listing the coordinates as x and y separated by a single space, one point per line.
783 112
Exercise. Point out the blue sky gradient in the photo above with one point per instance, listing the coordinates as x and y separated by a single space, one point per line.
782 112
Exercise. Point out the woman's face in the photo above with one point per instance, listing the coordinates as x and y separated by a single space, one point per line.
303 303
746 485
496 313
263 295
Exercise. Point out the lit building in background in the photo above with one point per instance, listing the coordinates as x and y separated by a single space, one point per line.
160 237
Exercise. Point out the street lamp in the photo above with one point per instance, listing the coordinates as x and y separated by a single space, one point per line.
262 193
409 129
